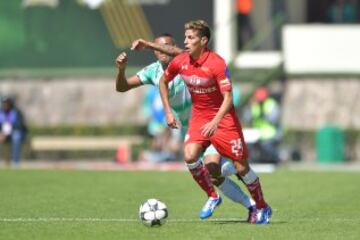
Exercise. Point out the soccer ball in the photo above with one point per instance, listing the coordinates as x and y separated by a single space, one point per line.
153 212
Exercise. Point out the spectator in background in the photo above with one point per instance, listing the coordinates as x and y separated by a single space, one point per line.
264 115
164 147
165 143
342 11
13 128
244 25
153 110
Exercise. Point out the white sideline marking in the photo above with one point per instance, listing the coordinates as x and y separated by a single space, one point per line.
55 219
125 220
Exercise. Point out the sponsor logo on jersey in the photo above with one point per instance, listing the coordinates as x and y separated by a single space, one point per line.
202 90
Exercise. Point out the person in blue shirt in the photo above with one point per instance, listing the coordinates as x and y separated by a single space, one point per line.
13 128
165 143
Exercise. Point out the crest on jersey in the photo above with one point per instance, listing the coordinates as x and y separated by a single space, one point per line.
184 67
195 80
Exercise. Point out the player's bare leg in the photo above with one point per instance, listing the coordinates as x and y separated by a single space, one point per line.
228 187
252 182
201 175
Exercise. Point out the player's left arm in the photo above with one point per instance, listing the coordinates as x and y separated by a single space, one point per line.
170 50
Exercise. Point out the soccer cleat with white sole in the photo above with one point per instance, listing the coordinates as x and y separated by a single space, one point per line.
264 215
209 207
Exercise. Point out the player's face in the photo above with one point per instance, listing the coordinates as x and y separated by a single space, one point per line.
194 45
163 58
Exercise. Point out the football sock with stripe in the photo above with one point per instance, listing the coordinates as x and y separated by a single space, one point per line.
252 183
202 177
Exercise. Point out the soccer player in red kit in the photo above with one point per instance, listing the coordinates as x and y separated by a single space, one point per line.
213 120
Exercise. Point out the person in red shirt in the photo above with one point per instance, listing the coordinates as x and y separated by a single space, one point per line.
213 119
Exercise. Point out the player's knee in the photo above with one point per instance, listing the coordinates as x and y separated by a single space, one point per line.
242 167
215 173
190 157
214 169
227 168
191 154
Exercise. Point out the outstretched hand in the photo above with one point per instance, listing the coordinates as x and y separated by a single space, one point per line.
121 60
209 129
171 121
139 44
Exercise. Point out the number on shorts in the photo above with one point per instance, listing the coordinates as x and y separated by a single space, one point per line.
236 146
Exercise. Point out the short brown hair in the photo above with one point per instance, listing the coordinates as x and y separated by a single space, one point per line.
201 26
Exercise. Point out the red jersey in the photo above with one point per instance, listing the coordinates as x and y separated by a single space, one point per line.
206 79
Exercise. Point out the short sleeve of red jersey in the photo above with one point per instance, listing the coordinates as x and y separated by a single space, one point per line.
172 70
222 76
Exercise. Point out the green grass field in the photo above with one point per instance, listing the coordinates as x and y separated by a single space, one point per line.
59 204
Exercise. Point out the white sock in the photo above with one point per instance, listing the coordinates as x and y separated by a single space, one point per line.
227 168
234 192
250 177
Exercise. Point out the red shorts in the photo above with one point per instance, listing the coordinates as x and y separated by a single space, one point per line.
228 140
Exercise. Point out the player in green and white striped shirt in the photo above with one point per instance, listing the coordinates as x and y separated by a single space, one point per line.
179 96
180 100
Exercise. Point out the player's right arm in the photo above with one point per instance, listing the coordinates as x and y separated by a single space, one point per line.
164 94
168 75
124 84
170 50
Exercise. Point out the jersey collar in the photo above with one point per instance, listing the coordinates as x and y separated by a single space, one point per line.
201 59
160 64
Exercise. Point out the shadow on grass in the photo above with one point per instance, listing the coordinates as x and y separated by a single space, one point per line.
221 221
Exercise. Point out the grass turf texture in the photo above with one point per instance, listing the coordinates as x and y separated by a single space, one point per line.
59 204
